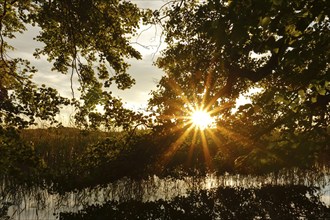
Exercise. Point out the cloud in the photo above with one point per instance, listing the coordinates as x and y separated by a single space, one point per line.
149 4
146 75
148 43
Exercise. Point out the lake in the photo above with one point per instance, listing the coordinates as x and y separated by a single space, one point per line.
293 194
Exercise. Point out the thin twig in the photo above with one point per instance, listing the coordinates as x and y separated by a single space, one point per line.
71 77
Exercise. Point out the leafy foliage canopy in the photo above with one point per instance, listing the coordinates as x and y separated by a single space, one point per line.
89 38
221 50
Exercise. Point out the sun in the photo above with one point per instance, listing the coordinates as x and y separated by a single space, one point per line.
201 119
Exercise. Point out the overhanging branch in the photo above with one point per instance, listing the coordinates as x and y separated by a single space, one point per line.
257 75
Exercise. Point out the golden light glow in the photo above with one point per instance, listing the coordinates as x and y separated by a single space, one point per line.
197 122
197 117
201 119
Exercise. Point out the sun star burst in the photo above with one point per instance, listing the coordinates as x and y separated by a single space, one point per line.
201 119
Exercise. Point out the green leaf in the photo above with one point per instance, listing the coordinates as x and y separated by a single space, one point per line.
277 2
322 91
265 21
314 99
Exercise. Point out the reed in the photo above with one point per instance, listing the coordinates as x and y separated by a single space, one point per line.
60 146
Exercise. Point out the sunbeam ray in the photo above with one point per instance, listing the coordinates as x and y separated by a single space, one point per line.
207 156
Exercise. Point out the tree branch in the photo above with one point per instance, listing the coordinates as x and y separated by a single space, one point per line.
232 79
258 75
235 72
263 71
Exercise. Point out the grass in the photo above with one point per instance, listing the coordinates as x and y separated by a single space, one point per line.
61 145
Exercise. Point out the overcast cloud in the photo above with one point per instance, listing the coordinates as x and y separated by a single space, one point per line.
143 71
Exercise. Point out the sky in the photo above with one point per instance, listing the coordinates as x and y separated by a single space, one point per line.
146 75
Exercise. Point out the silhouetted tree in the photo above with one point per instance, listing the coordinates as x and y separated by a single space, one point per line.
220 50
89 38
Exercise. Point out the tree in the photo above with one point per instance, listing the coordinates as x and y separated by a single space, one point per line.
89 38
219 50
